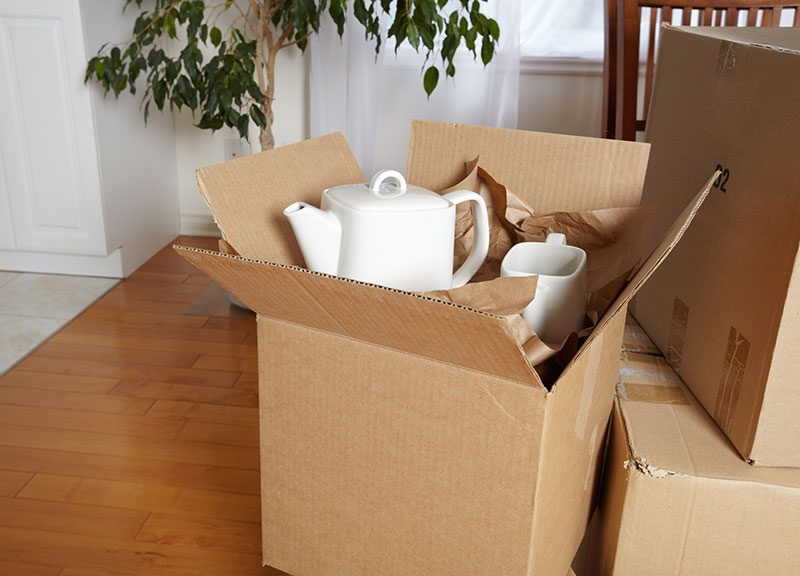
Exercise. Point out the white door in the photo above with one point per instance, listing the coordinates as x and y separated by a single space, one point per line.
51 192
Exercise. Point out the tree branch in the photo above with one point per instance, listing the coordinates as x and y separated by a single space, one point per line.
298 40
244 16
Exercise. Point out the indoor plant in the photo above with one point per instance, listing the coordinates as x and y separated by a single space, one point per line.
237 84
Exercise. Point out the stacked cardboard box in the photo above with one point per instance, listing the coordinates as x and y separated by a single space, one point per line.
401 434
678 498
725 309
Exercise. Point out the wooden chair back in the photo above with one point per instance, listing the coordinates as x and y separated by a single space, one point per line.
622 39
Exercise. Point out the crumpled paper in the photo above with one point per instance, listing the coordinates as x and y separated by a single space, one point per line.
614 239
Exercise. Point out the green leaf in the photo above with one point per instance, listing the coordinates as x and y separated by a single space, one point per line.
430 80
210 123
99 69
258 116
413 35
215 35
494 29
487 50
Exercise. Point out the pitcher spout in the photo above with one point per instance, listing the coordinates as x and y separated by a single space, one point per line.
319 235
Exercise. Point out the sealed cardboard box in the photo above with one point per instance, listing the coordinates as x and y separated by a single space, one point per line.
725 309
677 499
402 434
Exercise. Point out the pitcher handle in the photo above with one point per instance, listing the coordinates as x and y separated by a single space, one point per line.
480 244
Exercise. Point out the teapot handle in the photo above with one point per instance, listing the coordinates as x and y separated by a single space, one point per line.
480 244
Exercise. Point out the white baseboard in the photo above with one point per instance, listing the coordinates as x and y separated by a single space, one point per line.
199 225
49 263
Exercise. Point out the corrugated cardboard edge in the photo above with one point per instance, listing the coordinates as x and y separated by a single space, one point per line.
736 35
521 372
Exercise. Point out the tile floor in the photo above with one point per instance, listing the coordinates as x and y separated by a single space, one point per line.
34 306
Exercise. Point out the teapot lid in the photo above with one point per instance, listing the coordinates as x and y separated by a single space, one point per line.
381 196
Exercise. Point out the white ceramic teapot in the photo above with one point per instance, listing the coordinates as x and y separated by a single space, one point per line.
389 233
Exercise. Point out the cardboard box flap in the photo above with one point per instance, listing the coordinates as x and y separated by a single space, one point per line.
550 172
399 320
772 38
669 433
651 264
247 196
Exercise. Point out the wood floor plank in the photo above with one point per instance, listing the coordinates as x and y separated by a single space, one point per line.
162 332
247 381
139 558
168 500
129 469
243 324
20 569
158 276
12 482
133 305
146 343
146 318
211 412
50 487
198 279
142 283
225 535
62 382
186 392
102 403
70 518
71 441
121 370
119 356
230 363
130 290
219 433
69 571
134 426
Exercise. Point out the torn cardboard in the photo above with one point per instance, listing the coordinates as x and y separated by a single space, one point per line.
403 434
676 498
725 309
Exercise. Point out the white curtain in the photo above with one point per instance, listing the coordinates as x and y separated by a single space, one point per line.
563 28
373 100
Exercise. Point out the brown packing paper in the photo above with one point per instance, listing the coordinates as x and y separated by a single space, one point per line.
614 240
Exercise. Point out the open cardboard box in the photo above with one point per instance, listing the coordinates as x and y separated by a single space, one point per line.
402 434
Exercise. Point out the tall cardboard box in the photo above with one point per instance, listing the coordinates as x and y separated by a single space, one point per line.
677 499
725 308
401 434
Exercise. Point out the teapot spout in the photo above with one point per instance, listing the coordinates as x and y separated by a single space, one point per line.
319 235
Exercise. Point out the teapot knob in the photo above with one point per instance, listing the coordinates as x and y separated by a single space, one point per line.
380 177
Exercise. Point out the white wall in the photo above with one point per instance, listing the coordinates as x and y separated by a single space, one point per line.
556 95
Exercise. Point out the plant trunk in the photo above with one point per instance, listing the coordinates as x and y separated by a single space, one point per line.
266 138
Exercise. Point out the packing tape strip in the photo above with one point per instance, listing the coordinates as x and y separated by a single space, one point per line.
726 60
677 334
636 339
651 394
648 378
730 384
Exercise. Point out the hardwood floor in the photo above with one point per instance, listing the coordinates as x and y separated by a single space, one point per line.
129 440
